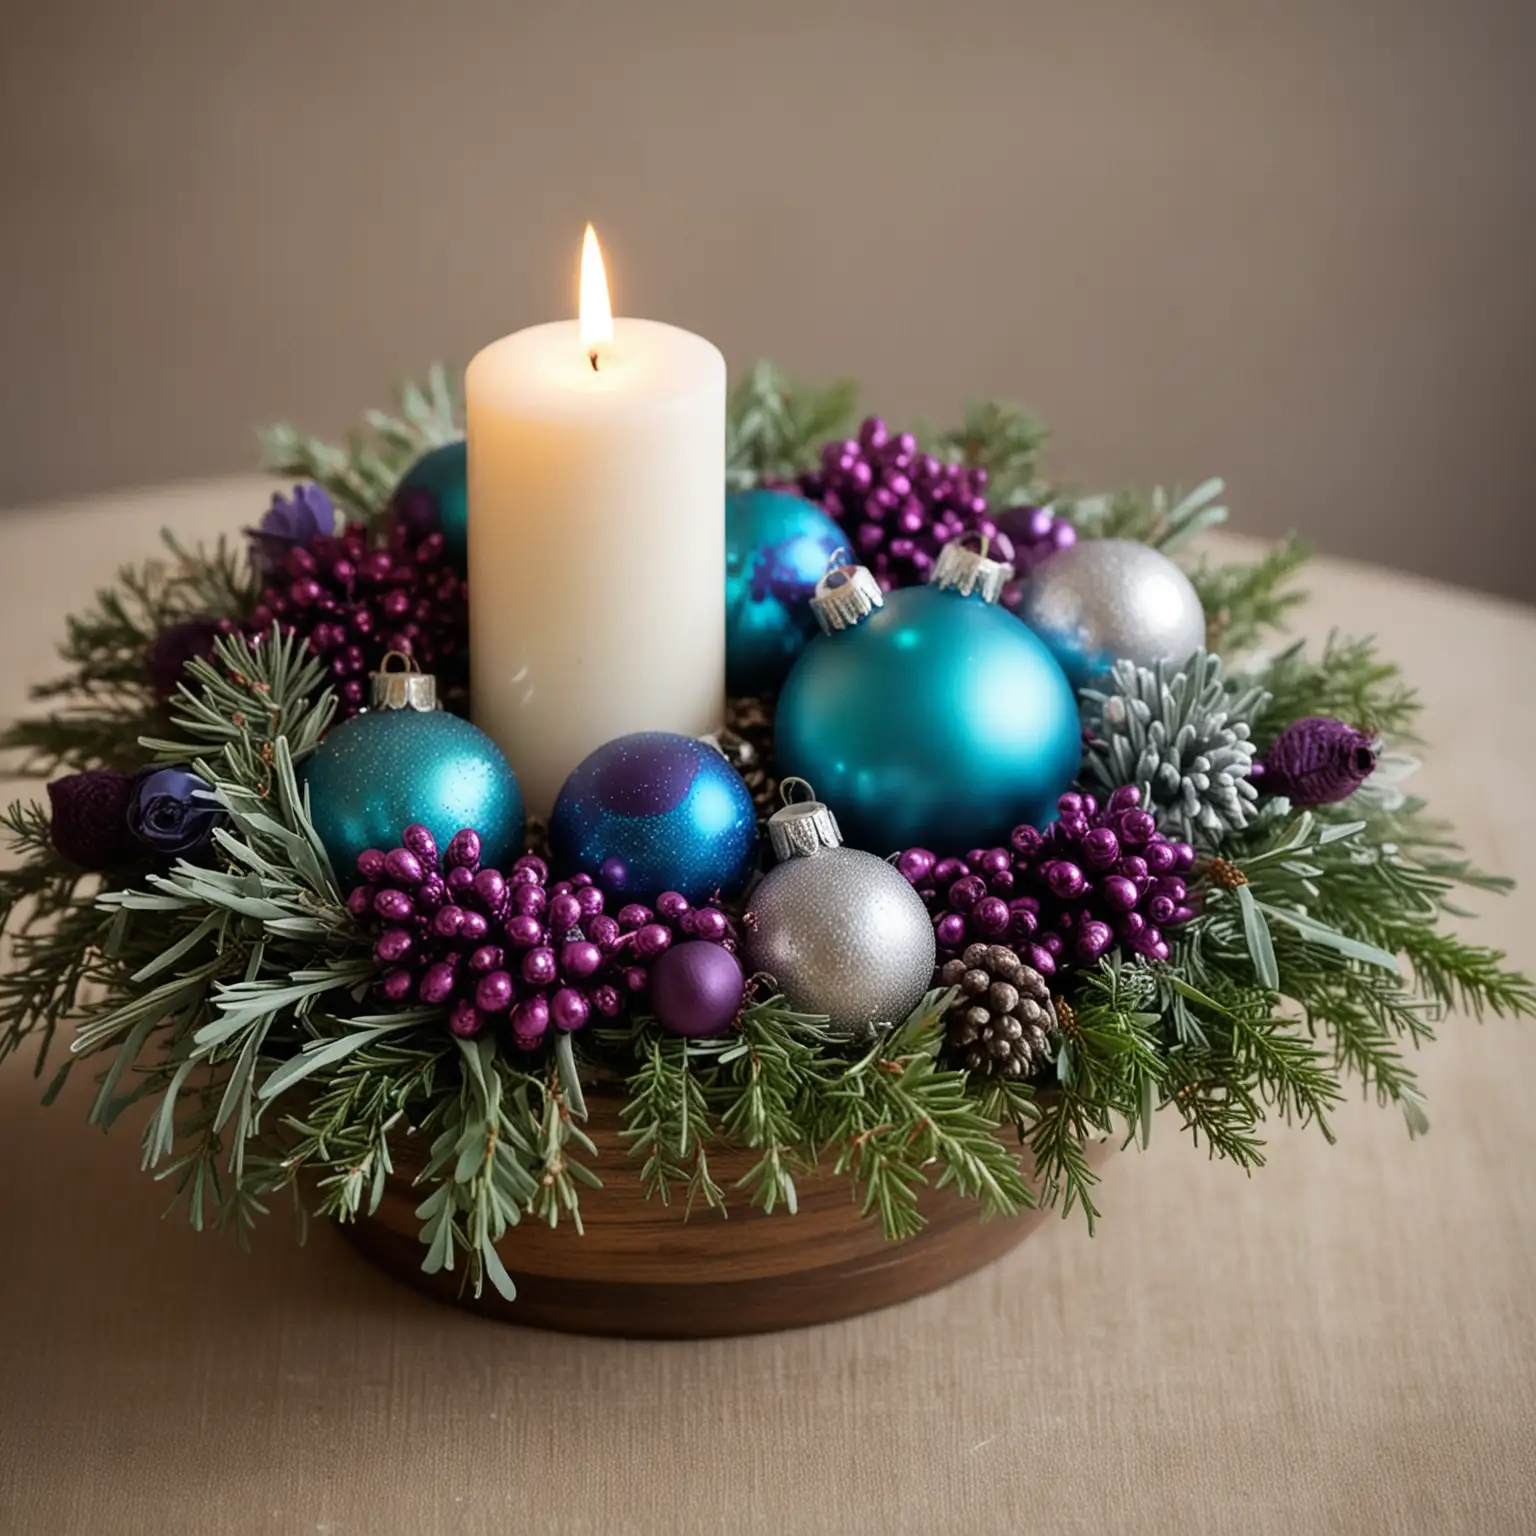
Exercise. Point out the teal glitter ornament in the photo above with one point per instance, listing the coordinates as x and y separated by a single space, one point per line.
777 547
433 497
654 812
404 761
928 716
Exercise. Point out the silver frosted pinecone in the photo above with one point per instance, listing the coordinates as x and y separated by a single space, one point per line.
1002 1022
1183 736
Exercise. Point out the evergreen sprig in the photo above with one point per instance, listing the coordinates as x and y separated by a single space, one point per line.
236 1001
1246 599
1165 520
775 427
1006 441
361 473
100 706
1348 680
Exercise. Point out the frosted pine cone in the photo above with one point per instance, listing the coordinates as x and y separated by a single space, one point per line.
1002 1023
1183 738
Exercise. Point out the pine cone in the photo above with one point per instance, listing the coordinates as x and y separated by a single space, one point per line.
747 742
1002 1023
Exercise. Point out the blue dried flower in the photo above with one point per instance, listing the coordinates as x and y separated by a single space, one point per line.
173 813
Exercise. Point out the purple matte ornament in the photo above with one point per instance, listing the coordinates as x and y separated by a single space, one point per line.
697 989
171 650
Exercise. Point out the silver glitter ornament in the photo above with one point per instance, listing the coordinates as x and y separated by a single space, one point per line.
1104 600
841 932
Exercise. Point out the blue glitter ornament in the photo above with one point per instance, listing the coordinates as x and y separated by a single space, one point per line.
403 762
930 716
777 547
655 812
433 496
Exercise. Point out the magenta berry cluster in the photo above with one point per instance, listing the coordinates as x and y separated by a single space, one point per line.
900 506
512 949
354 601
1097 878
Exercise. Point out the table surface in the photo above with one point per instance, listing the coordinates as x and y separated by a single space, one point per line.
1344 1342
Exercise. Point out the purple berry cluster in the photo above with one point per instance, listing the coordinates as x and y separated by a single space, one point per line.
900 506
491 947
354 601
1095 879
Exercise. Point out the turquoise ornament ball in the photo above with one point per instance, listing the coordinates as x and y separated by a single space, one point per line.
938 721
777 546
655 812
377 773
434 494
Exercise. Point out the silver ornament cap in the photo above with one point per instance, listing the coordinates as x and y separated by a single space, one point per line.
964 570
845 596
800 828
406 687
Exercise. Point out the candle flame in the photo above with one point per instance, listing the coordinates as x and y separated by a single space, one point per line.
596 314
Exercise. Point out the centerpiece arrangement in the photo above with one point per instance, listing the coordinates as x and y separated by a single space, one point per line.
650 796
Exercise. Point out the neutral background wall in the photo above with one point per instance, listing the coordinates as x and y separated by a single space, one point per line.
1291 243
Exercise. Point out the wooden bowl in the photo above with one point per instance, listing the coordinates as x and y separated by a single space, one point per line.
641 1270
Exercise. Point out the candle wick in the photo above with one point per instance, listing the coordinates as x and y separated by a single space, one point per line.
592 355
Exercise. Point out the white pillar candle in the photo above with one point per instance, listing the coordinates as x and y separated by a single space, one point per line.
596 538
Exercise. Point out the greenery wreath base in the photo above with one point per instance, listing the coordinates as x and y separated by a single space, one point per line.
237 1001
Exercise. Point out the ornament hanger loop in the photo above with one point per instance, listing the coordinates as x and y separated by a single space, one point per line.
787 789
402 687
758 979
964 570
845 595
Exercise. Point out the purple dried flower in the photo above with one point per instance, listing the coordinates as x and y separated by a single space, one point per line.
1318 761
90 818
171 650
292 522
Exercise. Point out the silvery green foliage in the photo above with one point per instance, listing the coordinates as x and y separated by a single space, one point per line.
1183 736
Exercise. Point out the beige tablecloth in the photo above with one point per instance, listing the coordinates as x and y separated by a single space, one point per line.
1344 1342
